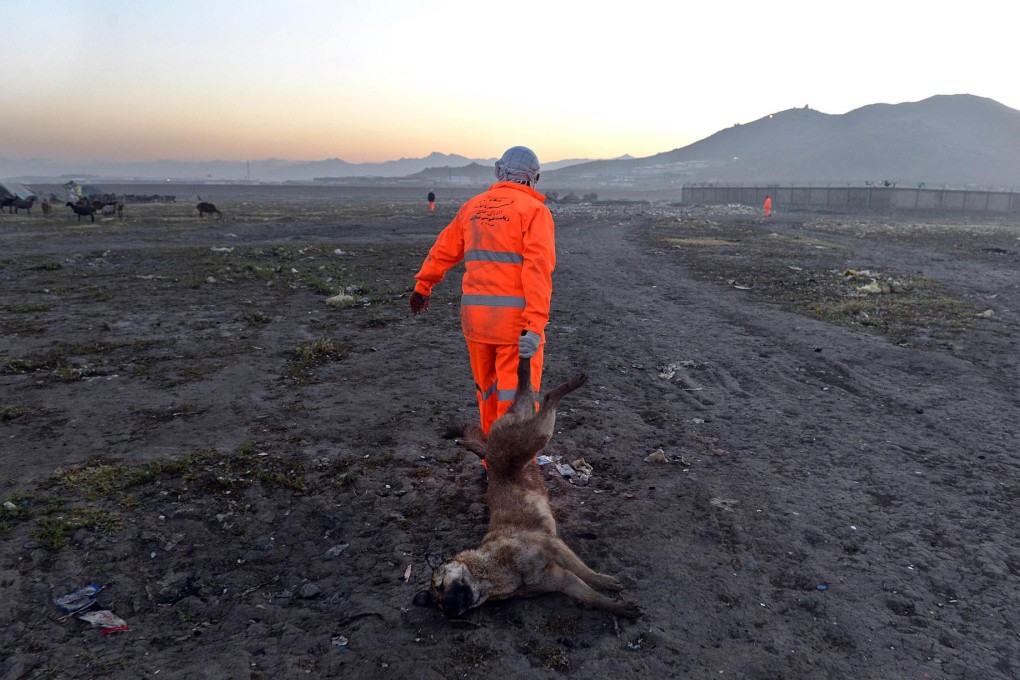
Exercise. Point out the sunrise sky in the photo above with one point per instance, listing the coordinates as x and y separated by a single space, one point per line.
375 80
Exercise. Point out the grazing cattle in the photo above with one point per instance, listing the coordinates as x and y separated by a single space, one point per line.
47 207
205 207
24 204
7 203
82 209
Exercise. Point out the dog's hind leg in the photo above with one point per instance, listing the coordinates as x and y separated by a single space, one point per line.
568 559
560 580
470 435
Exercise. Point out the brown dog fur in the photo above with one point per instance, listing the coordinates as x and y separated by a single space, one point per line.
521 555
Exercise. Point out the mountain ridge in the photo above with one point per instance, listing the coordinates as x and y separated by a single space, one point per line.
948 140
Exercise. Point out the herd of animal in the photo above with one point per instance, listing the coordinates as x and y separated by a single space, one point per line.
85 208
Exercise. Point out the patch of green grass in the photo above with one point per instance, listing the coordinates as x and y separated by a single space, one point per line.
12 512
99 478
52 532
12 412
311 354
29 308
695 241
257 318
74 373
320 285
166 415
344 479
554 658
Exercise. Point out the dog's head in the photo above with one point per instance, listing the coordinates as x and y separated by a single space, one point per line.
454 589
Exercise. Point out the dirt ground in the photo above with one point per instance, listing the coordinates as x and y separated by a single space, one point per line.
234 426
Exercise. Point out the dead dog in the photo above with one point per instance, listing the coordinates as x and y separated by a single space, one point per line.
521 555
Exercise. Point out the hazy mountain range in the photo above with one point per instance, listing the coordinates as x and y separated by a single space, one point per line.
956 140
268 170
952 140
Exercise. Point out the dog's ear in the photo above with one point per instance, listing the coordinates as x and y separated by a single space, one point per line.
457 599
422 598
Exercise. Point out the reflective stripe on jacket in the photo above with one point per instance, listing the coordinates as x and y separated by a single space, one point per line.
506 239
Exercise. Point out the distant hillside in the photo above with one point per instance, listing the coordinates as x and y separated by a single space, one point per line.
956 140
946 140
267 170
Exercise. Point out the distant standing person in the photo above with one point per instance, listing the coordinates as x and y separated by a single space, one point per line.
505 237
432 201
768 206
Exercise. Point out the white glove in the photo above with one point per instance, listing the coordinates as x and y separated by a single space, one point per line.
528 344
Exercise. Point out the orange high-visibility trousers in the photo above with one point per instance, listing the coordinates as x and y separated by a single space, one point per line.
432 206
494 368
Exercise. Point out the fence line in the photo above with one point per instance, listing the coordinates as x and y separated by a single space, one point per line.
857 198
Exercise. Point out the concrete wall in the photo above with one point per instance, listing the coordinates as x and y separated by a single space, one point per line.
856 198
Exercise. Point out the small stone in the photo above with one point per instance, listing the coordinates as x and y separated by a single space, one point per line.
336 551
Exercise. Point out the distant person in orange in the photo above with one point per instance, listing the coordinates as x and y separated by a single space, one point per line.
505 237
432 201
768 206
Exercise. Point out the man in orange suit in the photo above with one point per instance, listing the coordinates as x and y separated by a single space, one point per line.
505 237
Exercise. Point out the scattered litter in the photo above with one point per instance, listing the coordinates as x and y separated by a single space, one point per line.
341 642
564 470
874 288
543 460
338 251
107 620
987 314
739 286
822 586
407 574
222 249
584 472
79 600
341 300
9 506
726 504
669 370
794 268
718 452
657 456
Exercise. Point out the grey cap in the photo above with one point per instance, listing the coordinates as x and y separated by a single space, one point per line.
518 164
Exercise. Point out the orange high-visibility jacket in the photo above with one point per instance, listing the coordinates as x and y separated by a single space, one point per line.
506 239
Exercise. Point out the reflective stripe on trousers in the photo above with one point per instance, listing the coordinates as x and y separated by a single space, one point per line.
494 368
511 301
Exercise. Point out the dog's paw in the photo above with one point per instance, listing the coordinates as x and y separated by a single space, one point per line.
607 582
577 380
454 430
627 610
